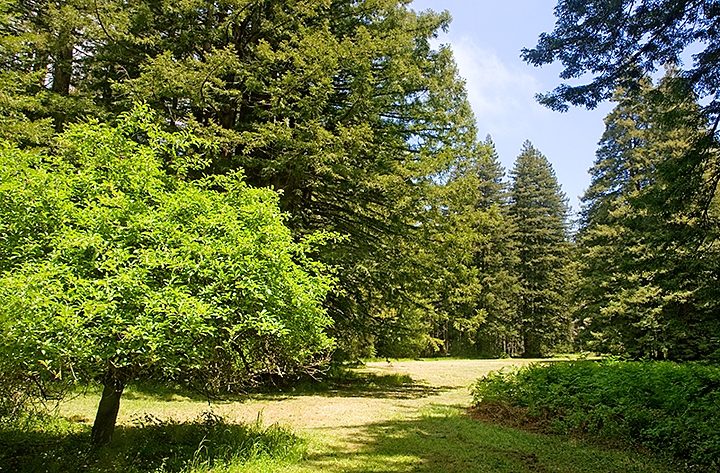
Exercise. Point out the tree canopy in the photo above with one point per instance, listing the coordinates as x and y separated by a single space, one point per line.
343 106
649 224
620 41
113 268
648 238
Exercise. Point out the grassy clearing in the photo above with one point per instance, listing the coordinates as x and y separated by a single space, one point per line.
404 416
442 439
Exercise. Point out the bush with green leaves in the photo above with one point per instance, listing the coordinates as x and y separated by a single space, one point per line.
668 407
115 266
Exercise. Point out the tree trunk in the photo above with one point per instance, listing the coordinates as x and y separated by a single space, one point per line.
107 412
531 346
62 76
62 71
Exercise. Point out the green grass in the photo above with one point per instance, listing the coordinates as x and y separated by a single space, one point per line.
442 439
438 439
51 444
346 379
409 426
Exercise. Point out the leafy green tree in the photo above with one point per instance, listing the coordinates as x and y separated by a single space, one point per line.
648 235
342 106
539 211
115 268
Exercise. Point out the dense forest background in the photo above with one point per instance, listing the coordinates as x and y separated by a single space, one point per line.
364 134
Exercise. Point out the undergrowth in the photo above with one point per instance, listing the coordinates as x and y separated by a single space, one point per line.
51 444
670 408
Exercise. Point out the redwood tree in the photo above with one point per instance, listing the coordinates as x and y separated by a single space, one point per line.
539 210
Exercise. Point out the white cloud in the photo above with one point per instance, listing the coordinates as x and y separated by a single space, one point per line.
502 95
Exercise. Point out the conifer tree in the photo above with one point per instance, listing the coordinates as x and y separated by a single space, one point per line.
648 235
539 211
495 259
492 188
618 42
342 106
468 232
451 235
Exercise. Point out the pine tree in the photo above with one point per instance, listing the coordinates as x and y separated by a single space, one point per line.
495 258
492 188
648 233
539 211
473 293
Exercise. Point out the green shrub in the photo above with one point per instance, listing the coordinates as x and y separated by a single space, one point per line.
667 407
41 443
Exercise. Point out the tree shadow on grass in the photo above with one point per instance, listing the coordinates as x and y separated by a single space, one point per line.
343 383
27 450
57 446
360 384
172 392
155 391
445 441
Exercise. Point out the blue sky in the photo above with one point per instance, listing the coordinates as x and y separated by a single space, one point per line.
486 37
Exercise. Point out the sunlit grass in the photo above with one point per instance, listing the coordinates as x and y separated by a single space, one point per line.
442 439
401 424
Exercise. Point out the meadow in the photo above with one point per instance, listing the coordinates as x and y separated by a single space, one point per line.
380 417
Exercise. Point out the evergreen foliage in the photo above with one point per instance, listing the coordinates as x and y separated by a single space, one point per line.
495 257
620 41
539 211
648 235
472 298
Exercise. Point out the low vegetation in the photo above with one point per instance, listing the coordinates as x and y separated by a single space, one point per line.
52 444
672 409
